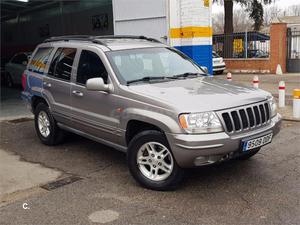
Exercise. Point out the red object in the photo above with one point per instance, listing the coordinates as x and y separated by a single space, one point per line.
24 81
229 77
255 81
281 88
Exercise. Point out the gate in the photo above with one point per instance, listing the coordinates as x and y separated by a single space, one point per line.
293 51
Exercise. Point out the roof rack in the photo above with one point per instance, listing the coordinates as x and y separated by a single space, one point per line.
95 39
76 38
127 37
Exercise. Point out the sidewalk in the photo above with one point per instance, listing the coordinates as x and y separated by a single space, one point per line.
12 106
269 82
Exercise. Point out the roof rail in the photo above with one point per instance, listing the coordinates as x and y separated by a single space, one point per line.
127 37
75 37
95 39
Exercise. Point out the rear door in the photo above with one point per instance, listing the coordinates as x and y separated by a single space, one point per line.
94 112
56 85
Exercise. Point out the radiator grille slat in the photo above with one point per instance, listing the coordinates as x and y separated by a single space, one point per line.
257 115
244 118
251 117
237 120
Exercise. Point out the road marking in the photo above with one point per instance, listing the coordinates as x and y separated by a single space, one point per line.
104 216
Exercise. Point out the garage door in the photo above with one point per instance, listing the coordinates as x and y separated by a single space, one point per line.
136 17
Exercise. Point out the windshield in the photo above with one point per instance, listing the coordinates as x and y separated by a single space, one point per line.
135 64
215 55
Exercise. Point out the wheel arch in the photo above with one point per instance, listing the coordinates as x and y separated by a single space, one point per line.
135 121
35 100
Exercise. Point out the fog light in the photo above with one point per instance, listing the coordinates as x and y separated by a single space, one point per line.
201 160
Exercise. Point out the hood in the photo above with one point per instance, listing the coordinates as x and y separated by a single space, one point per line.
201 94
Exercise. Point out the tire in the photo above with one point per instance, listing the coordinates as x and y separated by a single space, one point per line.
219 72
163 180
9 81
54 135
247 155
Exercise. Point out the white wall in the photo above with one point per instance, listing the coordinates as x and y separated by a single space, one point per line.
141 17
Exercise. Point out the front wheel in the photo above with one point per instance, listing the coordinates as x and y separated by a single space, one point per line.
151 162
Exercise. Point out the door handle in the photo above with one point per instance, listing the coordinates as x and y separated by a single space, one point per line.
47 84
77 93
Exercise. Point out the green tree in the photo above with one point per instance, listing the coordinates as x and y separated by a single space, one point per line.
256 12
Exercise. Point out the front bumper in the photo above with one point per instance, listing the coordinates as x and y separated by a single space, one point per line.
219 67
192 150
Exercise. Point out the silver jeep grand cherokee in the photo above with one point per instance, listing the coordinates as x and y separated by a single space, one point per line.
147 99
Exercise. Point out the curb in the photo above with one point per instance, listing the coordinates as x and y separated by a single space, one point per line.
290 119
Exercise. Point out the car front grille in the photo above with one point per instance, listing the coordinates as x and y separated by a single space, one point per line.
245 118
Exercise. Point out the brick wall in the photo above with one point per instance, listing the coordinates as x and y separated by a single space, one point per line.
277 55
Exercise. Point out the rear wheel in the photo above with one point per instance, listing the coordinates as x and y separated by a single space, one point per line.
151 162
45 125
219 72
248 155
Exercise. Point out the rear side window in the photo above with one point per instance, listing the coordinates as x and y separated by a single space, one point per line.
90 66
62 62
39 61
19 59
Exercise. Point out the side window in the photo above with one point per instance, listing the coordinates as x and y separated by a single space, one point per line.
39 60
54 61
62 62
19 59
90 66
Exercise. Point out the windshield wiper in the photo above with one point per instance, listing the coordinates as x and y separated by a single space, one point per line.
184 75
145 79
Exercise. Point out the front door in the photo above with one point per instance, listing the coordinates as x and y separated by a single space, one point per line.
94 112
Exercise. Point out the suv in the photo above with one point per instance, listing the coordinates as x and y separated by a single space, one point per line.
147 99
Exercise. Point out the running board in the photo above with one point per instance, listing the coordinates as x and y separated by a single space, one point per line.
100 140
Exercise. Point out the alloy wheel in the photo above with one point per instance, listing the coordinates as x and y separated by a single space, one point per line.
155 161
44 124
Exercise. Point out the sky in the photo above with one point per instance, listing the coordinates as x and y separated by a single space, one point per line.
280 3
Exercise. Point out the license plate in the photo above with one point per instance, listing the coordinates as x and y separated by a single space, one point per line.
257 142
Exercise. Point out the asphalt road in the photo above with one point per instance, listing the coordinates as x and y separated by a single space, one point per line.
262 190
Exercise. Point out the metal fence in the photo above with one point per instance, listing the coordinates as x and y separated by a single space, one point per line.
242 45
293 51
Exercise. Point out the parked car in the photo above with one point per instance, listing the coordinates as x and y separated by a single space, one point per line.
252 53
218 64
256 53
2 74
15 68
147 99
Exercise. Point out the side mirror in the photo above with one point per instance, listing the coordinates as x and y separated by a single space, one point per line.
24 63
204 68
97 84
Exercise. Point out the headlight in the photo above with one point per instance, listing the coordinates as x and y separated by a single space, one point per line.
206 122
273 107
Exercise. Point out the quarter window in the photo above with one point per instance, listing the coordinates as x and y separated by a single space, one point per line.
40 59
90 66
61 65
